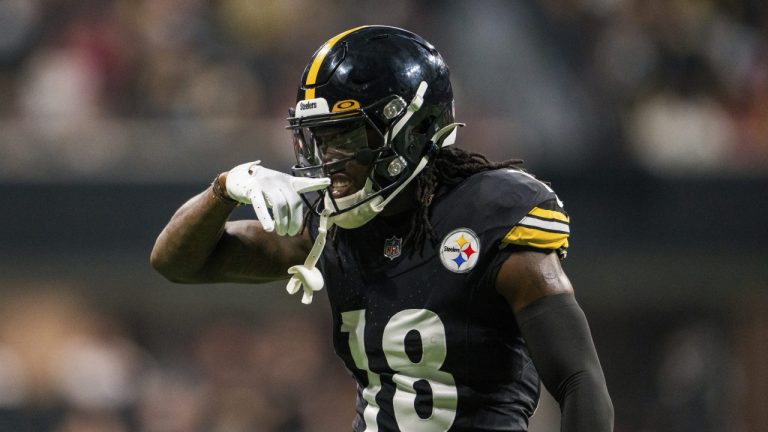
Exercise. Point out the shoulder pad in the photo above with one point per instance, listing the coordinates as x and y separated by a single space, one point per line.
513 207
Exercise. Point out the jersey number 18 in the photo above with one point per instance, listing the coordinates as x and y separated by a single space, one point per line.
408 374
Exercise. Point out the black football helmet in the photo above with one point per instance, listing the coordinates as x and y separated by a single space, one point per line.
386 94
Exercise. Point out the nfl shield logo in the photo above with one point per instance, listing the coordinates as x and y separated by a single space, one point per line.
393 247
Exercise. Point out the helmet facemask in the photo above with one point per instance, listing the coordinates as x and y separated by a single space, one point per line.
372 136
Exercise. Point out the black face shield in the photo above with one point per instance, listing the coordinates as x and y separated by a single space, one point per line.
324 150
325 142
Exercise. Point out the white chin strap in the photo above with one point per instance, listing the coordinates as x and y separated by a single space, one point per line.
307 276
359 215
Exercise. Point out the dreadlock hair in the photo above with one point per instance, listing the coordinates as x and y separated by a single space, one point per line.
450 167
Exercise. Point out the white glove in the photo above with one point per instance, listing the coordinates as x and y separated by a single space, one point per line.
251 183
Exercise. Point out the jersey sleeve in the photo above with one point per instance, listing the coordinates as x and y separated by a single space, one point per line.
514 210
545 227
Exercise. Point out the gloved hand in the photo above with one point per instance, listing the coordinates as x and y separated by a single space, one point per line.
251 183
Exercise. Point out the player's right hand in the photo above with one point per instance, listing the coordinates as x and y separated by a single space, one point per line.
251 183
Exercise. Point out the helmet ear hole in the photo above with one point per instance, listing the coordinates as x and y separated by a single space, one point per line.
414 139
423 127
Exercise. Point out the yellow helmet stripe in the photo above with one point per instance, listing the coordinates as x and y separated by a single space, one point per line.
314 69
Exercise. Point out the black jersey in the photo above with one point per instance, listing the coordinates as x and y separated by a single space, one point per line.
432 345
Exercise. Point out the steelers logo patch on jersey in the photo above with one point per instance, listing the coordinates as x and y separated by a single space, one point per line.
460 250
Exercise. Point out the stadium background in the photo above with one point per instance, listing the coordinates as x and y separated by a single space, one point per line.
649 117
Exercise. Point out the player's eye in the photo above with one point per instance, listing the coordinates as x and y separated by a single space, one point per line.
346 141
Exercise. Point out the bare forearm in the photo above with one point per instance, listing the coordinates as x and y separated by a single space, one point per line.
185 245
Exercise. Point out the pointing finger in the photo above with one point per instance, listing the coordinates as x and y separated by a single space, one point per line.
306 184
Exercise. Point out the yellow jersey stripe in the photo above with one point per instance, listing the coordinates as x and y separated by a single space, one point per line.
549 214
314 69
525 236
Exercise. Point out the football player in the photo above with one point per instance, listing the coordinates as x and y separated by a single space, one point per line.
442 268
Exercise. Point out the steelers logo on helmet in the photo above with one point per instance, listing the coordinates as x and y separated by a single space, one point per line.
460 250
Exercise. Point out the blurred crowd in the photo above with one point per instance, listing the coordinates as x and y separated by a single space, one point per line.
95 88
687 79
178 90
69 366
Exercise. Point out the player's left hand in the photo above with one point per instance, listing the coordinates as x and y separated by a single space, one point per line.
251 183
